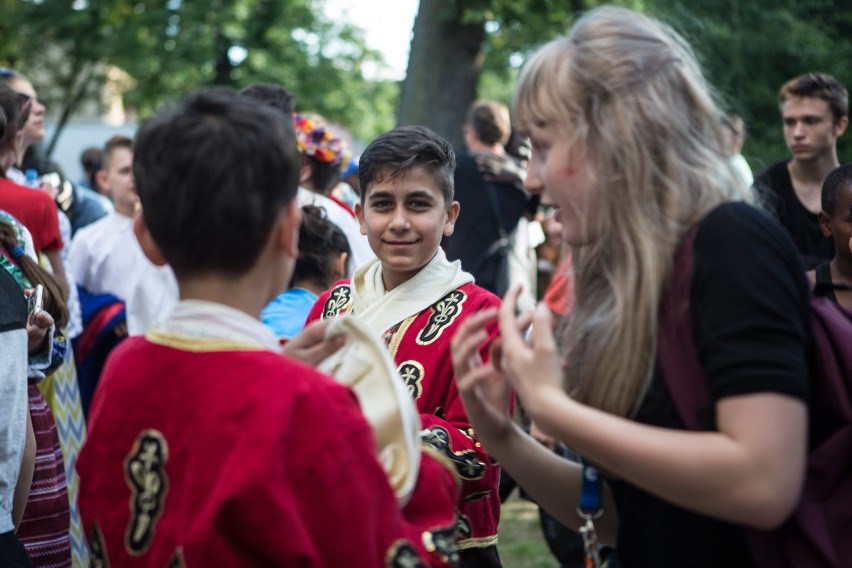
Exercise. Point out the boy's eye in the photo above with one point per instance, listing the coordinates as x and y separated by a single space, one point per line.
419 204
380 204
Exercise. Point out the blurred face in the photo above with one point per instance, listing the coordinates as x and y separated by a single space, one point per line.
117 181
34 129
809 128
838 223
404 221
558 172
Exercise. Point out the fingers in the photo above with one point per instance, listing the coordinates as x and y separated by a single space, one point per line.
542 321
312 333
512 338
42 319
470 335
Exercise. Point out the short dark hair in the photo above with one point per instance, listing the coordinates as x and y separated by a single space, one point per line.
395 153
838 181
490 120
271 94
818 86
114 143
11 104
213 174
320 241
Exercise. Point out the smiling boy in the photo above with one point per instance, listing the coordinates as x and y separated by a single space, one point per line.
414 299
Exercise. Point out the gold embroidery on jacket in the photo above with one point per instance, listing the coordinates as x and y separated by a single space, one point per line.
339 299
442 542
443 313
401 554
465 461
145 473
412 372
99 557
393 336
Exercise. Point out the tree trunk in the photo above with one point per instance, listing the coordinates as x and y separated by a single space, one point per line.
443 70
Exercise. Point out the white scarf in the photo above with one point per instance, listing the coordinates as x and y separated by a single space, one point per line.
212 321
380 310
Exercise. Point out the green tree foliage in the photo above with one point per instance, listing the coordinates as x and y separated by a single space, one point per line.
749 49
169 47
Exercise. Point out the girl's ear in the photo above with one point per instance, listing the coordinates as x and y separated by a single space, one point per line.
146 241
824 224
452 216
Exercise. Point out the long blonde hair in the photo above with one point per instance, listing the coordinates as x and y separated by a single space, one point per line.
629 89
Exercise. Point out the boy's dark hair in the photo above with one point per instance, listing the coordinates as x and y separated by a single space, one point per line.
838 181
490 120
818 86
395 153
213 174
273 95
11 103
117 141
320 242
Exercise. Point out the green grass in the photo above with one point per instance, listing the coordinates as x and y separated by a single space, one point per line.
521 543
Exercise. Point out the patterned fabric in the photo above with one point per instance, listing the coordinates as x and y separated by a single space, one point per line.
44 528
62 393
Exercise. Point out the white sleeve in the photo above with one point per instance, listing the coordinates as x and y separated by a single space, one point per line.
13 418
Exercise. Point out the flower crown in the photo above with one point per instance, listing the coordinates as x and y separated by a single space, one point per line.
316 141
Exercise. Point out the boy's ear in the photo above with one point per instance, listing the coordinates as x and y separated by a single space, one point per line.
359 213
824 224
305 171
101 179
288 229
841 125
452 216
146 241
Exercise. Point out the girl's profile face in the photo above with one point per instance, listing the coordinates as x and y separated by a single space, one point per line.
558 171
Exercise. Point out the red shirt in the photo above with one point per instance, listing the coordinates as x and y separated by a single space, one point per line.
36 210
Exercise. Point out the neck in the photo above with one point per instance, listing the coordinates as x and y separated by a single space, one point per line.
310 285
241 293
477 147
815 170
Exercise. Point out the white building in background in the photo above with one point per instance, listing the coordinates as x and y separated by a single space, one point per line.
92 124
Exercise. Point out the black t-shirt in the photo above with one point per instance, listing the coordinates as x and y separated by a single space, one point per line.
775 189
750 310
476 229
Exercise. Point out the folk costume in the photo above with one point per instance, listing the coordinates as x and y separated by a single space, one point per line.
416 321
207 447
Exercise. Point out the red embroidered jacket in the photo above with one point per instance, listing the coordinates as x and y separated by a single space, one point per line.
420 345
204 454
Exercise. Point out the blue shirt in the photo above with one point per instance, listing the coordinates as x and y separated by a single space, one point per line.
287 313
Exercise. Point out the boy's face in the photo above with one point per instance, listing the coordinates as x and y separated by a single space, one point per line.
838 224
404 221
118 182
809 128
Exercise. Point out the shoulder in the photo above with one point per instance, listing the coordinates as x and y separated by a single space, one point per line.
480 297
771 176
335 300
740 249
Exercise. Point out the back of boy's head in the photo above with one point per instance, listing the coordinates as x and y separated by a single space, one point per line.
490 120
838 181
273 95
213 174
320 242
394 154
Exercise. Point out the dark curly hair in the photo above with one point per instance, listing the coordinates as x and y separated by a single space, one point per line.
320 243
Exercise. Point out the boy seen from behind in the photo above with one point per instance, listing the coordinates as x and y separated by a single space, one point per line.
207 446
413 298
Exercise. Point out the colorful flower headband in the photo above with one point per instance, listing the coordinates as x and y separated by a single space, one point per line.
316 141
